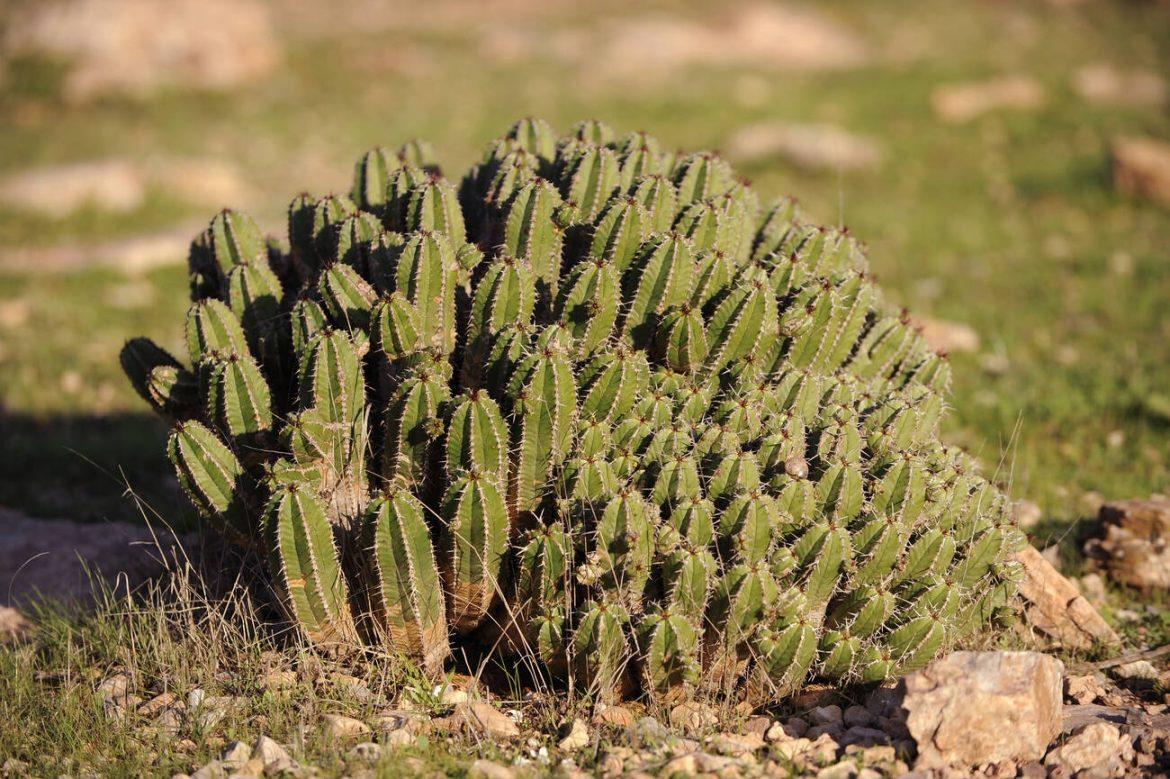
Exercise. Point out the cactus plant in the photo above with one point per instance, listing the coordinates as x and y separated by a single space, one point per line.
597 404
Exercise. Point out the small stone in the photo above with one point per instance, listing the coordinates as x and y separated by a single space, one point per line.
832 731
869 773
1104 84
736 744
796 467
757 725
650 729
111 185
948 337
816 147
270 753
254 767
979 707
693 716
14 627
1055 609
827 715
449 695
278 679
776 732
964 102
611 765
1090 748
857 715
134 47
883 701
483 718
354 687
1138 670
795 727
576 738
213 770
340 727
1141 168
860 734
878 755
236 754
714 764
846 769
1092 588
366 752
683 765
614 717
1084 689
486 769
1027 514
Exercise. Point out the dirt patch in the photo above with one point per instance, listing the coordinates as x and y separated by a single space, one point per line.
59 560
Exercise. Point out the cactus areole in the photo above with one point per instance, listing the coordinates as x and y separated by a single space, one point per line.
593 403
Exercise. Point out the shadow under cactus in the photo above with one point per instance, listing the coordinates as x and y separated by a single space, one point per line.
85 467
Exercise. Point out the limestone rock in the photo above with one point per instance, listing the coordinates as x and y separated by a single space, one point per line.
137 46
1133 544
341 727
948 337
484 719
693 716
57 191
576 738
1104 84
614 716
271 754
1091 749
964 102
486 769
981 707
808 146
1055 608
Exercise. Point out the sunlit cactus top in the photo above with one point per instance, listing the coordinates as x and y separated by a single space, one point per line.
594 403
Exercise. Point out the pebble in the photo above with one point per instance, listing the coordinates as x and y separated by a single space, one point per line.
827 715
857 715
576 738
367 752
342 727
614 716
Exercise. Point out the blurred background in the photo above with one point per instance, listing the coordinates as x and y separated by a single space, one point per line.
1006 162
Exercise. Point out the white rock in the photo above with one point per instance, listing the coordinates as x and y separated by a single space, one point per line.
808 146
950 337
963 102
486 769
270 753
136 46
235 754
110 185
1092 747
367 752
1105 84
340 726
984 707
577 737
1055 609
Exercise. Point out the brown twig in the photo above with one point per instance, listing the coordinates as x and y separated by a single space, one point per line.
1129 657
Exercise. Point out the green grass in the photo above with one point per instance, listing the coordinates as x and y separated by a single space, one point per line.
1008 223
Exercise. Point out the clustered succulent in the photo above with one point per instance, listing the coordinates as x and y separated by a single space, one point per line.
595 405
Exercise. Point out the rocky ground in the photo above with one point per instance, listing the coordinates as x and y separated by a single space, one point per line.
987 713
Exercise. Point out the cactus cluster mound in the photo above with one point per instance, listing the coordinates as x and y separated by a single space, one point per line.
595 405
